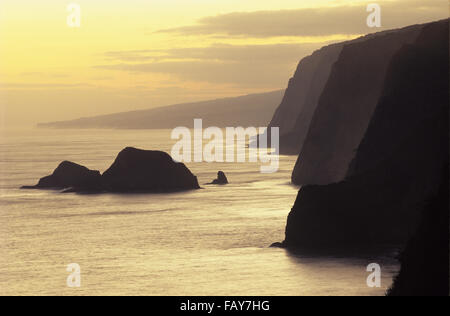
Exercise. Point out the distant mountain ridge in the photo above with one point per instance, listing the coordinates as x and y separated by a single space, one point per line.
249 110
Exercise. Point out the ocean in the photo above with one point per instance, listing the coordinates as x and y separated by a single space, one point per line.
213 241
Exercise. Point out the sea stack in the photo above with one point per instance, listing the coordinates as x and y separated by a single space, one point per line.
136 170
70 175
221 179
133 171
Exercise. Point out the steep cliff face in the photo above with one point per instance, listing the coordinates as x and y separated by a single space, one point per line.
346 106
425 262
300 99
381 200
383 136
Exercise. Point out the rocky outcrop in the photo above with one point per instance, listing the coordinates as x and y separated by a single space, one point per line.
70 175
221 179
137 170
398 165
134 170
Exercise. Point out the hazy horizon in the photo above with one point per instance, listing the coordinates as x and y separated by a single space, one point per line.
139 55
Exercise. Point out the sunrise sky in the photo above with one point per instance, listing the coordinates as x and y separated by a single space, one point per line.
139 54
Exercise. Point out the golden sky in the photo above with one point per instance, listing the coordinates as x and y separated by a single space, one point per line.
139 54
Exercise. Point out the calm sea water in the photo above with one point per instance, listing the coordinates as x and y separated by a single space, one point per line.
212 241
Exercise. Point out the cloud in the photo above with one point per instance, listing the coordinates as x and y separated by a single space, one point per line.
268 65
315 21
216 72
218 52
44 74
6 86
250 65
134 55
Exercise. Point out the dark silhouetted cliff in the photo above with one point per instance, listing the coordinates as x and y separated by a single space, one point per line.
399 164
322 80
300 99
425 261
346 106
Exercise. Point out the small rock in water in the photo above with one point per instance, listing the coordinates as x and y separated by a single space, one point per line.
221 178
277 245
